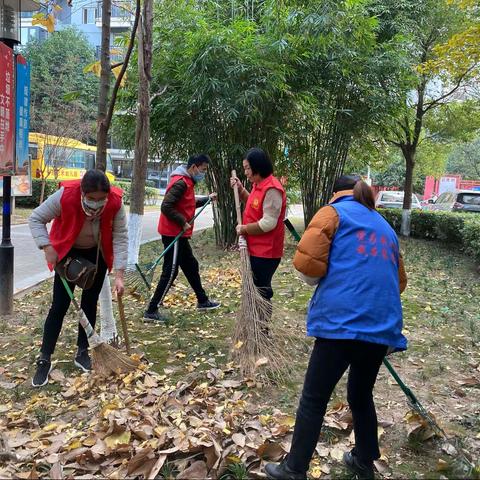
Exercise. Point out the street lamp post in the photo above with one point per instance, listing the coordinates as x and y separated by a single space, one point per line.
10 36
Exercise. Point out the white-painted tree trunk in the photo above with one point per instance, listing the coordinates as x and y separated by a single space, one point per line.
406 221
108 327
134 237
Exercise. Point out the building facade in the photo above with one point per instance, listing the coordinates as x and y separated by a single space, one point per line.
86 16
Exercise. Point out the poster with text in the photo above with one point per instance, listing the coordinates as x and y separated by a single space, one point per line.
7 106
22 117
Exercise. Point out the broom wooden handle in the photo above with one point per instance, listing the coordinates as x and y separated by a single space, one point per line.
237 199
83 320
121 312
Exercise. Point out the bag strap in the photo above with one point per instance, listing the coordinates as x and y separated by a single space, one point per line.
98 247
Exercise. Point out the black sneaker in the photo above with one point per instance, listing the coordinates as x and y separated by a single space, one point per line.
82 361
361 471
280 471
155 316
44 367
208 305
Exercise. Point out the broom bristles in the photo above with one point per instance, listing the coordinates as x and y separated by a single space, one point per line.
259 338
107 360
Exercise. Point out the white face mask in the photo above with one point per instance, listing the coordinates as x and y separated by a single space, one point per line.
93 208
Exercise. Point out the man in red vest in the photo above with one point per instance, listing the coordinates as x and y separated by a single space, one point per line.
177 211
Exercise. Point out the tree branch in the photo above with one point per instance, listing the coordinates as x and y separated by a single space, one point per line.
437 101
113 99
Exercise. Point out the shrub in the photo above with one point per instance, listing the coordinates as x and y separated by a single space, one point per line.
151 194
460 229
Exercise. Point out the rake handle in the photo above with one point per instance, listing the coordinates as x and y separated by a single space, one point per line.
121 312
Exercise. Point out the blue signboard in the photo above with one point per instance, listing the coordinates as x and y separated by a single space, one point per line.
22 120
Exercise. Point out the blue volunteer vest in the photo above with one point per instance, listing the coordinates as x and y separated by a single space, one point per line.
359 298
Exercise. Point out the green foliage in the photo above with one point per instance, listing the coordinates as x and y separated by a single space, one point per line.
298 79
464 159
58 84
51 186
152 195
459 229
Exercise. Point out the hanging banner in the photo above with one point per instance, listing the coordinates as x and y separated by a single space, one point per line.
7 106
22 117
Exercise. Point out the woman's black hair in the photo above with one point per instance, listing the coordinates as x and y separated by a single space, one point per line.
198 160
95 181
362 193
260 162
345 182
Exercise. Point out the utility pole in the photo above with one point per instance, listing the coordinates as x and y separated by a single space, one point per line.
8 148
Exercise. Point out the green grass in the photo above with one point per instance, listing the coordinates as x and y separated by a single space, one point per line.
442 324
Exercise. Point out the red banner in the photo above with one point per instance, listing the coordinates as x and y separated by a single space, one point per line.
7 110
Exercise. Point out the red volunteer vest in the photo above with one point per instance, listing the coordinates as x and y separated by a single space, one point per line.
67 226
270 244
186 206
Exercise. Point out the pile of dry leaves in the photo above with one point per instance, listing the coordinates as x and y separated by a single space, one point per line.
139 425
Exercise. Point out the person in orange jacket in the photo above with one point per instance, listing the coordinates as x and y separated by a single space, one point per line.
352 255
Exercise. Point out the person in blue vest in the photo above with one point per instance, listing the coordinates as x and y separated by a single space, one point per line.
352 255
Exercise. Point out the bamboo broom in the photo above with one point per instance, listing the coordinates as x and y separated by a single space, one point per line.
106 360
253 337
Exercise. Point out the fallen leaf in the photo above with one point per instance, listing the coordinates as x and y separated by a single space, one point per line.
316 472
449 449
442 465
271 451
239 439
114 440
337 454
56 472
156 467
196 471
381 466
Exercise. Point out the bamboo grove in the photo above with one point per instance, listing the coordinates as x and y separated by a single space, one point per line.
304 80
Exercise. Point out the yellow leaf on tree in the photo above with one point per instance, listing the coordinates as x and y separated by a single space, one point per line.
94 67
46 21
116 73
58 8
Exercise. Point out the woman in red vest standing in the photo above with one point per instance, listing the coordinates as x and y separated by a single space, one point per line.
262 224
89 221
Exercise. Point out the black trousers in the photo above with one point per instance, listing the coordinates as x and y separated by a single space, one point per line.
61 302
180 255
328 362
263 270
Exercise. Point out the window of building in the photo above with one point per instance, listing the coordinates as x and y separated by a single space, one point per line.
89 15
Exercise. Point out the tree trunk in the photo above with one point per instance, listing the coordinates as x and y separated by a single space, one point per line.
107 320
142 132
102 126
409 155
42 191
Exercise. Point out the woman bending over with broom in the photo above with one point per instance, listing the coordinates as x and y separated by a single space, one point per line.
88 237
352 254
262 218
